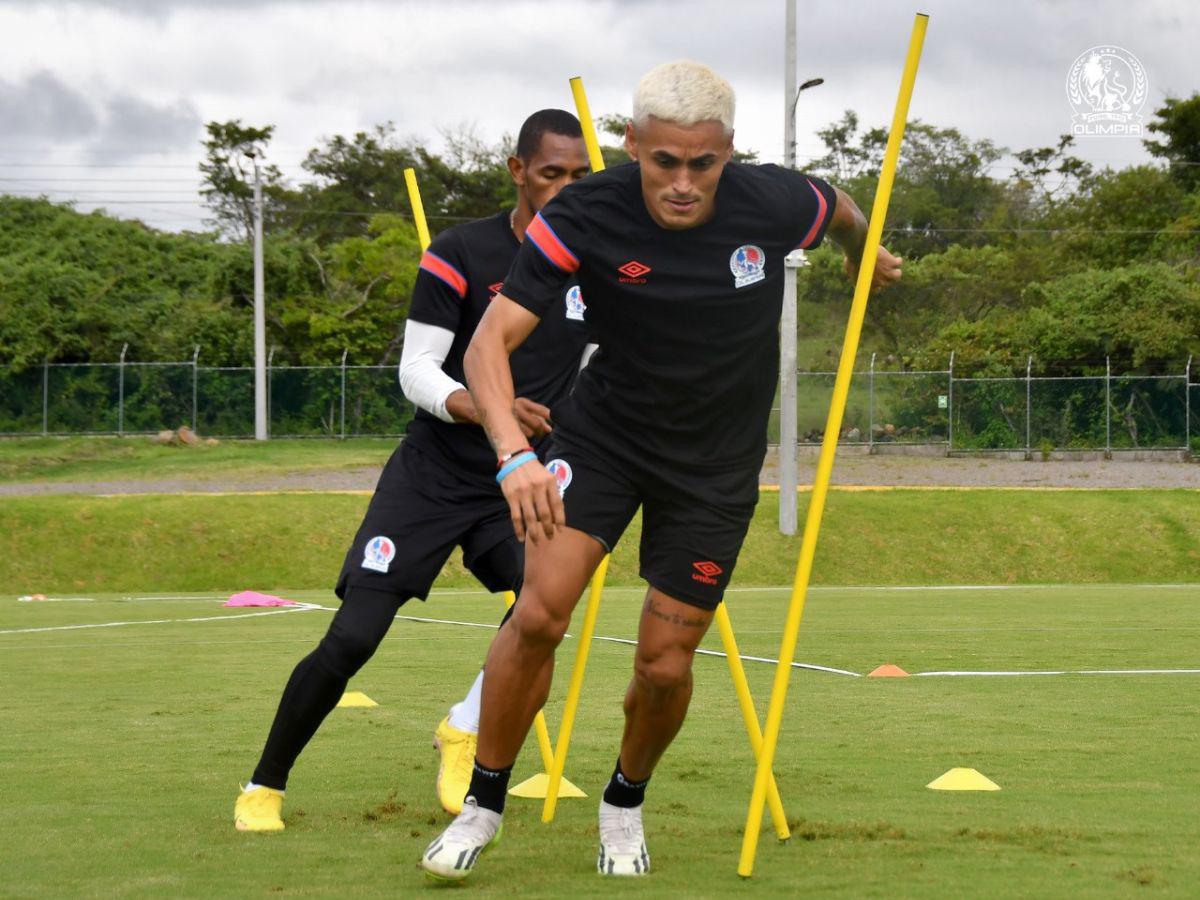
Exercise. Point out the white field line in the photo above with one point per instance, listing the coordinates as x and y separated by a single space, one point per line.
616 640
763 659
304 607
55 600
300 607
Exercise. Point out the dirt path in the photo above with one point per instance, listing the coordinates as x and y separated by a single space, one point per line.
851 469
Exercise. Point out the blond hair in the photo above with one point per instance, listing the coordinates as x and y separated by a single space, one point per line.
684 92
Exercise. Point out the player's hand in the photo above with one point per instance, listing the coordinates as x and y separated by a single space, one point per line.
533 418
887 270
534 503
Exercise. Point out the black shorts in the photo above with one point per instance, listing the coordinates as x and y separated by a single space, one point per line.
693 521
420 512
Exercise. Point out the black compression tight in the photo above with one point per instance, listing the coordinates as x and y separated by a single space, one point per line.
320 679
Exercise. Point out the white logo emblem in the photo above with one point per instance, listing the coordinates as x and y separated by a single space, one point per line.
575 305
561 470
747 264
1107 89
379 554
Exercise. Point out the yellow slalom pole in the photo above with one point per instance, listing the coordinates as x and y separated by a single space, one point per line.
816 506
595 157
572 705
742 688
414 199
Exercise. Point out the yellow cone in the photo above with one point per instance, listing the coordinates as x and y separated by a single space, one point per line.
535 788
963 780
356 698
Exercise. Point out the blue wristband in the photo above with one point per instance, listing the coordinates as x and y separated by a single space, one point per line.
513 464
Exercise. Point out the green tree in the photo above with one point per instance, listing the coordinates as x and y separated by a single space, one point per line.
228 186
1178 121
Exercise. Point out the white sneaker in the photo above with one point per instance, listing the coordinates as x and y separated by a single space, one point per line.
622 841
452 856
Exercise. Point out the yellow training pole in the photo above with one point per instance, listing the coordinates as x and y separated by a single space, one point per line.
414 198
742 688
816 506
595 157
572 705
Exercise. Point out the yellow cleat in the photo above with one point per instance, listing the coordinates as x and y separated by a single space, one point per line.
259 810
458 759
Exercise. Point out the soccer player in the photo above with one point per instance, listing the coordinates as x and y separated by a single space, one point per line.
680 255
439 489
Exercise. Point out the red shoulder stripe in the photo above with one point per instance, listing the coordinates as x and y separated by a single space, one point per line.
822 207
439 268
544 238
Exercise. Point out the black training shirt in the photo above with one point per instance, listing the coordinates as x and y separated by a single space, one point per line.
460 274
687 321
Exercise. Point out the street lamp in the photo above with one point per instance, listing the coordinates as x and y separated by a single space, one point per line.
791 147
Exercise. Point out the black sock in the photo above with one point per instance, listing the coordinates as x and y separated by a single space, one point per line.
489 786
623 792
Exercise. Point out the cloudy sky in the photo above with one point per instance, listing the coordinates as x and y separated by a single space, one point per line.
104 101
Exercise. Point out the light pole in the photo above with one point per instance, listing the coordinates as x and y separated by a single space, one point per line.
791 147
261 428
791 94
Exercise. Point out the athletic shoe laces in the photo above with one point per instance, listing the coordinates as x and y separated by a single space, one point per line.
622 832
472 825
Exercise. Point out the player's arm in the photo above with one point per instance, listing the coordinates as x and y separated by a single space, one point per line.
848 229
531 491
421 376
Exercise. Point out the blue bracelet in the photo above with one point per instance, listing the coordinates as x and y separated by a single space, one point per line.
513 464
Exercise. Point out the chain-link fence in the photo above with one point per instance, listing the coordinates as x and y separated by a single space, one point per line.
1032 413
143 398
1035 413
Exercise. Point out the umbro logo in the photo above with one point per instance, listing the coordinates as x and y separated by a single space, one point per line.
494 289
706 571
633 272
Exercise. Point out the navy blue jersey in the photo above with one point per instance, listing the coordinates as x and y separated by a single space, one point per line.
460 274
687 320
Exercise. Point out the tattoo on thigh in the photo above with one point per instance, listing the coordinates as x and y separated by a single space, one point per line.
657 611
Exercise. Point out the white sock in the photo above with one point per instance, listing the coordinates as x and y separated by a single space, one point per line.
251 786
465 715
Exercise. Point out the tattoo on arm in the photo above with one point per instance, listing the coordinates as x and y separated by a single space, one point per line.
656 610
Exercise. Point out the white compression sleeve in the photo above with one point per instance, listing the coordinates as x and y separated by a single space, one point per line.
421 375
588 350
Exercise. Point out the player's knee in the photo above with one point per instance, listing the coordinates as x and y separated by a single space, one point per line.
343 653
663 672
537 624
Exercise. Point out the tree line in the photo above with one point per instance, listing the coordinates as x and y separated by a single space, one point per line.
1052 258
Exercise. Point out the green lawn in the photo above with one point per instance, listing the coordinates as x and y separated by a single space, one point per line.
121 750
118 459
907 536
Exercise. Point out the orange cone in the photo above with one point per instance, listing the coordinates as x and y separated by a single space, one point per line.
888 671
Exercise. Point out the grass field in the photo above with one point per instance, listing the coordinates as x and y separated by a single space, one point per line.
122 748
906 536
118 459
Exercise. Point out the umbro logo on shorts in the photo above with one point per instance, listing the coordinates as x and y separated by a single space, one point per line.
494 289
632 272
706 570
